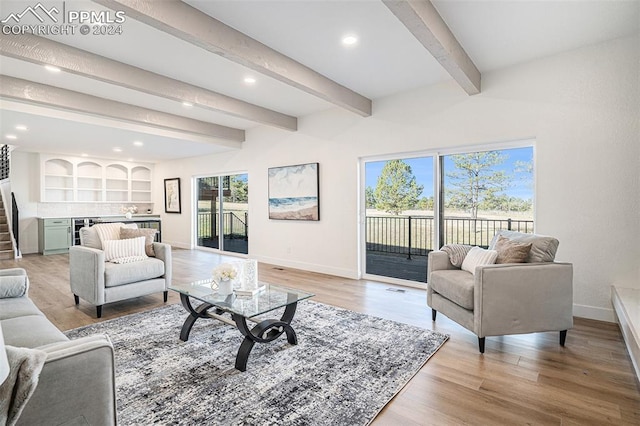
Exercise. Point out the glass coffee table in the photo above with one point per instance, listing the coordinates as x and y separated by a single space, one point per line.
242 309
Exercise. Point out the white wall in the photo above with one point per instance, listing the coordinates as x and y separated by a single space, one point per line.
25 184
581 107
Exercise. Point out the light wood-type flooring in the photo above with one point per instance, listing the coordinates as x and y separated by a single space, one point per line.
523 379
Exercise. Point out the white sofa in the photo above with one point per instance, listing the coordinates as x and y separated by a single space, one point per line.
77 382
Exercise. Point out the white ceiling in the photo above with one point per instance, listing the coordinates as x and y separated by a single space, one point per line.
386 60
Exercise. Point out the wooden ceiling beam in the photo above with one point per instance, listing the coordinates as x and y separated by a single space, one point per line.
191 25
43 51
54 97
423 21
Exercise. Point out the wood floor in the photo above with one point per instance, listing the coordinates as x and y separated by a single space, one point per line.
525 379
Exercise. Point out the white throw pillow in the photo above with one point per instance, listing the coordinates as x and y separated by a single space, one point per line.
116 250
478 256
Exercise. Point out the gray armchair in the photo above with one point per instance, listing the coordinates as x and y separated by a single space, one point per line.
99 282
508 298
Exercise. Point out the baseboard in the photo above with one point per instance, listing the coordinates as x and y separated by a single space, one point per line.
625 303
178 245
311 267
594 313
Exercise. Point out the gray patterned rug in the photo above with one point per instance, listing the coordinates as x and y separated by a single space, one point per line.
344 370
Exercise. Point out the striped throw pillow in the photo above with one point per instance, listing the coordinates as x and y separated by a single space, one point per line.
478 256
117 250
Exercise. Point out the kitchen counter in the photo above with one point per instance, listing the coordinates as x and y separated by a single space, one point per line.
134 218
109 217
76 222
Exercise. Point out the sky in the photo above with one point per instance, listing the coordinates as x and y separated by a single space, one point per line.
422 169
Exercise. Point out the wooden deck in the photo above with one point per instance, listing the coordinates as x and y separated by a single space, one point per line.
397 266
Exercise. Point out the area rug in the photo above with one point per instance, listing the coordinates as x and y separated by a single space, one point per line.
346 367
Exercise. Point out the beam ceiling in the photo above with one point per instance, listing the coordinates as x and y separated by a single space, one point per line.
189 24
43 51
423 21
55 97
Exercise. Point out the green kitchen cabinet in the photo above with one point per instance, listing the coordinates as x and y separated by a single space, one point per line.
54 235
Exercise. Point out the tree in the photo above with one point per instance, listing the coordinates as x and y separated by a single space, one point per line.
239 189
475 179
370 198
396 189
426 203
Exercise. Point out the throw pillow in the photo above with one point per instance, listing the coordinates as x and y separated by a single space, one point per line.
511 251
108 231
543 247
149 235
478 256
457 253
116 250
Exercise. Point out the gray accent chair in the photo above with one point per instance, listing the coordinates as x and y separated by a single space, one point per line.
99 282
509 298
77 382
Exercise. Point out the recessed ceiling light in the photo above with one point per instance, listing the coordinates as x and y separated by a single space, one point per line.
21 127
11 137
250 80
52 68
84 155
349 40
138 143
117 149
129 159
187 104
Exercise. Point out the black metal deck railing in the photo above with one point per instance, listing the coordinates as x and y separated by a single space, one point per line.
414 235
235 225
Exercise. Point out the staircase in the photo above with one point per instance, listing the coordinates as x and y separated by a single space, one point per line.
6 246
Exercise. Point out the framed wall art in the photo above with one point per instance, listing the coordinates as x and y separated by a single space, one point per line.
294 192
172 195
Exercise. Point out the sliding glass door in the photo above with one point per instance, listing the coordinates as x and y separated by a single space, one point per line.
399 220
222 213
480 193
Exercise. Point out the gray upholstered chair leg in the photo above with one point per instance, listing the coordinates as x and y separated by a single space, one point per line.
77 299
99 311
165 295
433 314
481 344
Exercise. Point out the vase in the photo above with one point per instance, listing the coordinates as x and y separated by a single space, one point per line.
225 287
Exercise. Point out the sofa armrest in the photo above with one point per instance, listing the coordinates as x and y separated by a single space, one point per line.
76 382
11 272
14 282
438 260
86 273
523 298
163 252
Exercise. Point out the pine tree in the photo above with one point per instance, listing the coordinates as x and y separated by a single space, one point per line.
396 189
475 179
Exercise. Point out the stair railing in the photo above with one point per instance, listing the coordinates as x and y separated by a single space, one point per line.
15 215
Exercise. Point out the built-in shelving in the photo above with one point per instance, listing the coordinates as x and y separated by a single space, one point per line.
67 179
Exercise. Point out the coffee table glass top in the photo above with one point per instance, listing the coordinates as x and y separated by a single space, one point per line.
270 298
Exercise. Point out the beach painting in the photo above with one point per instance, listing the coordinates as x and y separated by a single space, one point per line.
294 192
